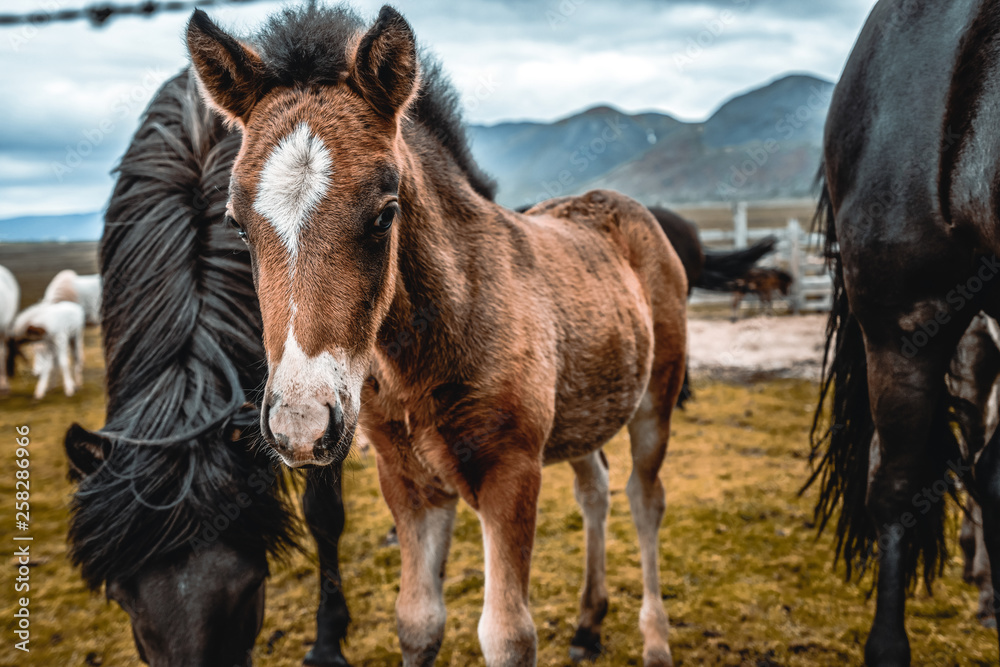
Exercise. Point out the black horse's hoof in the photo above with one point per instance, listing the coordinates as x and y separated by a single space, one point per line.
586 645
315 658
889 652
988 621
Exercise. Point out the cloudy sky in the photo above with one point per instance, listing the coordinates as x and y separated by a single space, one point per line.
72 94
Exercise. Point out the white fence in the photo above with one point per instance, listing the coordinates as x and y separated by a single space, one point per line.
797 252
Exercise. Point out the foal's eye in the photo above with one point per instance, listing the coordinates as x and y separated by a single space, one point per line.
231 221
384 220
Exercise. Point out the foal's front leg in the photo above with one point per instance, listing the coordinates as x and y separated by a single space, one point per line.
424 523
508 504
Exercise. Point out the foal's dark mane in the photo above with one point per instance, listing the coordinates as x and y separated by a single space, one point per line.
183 349
310 46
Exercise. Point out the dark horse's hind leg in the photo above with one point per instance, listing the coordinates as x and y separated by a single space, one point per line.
324 510
904 397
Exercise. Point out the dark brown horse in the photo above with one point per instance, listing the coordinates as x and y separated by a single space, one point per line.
762 282
469 344
707 269
912 181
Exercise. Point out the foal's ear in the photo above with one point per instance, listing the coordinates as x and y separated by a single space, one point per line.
232 75
86 451
385 67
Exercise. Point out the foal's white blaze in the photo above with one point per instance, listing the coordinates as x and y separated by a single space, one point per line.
294 180
304 388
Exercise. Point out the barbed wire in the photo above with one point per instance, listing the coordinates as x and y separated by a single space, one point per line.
101 13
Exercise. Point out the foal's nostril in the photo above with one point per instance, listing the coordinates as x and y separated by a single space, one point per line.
265 418
334 427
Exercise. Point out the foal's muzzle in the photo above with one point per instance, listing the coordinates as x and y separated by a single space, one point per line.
307 435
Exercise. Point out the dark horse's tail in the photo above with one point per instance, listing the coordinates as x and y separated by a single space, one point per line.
841 441
722 268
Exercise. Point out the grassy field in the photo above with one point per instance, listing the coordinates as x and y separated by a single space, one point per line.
744 579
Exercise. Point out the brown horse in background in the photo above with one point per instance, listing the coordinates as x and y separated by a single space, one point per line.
764 283
469 344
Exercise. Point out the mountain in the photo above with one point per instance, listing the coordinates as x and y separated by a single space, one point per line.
74 227
763 144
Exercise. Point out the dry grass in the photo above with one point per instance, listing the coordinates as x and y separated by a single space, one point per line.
744 579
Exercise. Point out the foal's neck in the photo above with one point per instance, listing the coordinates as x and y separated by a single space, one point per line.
439 256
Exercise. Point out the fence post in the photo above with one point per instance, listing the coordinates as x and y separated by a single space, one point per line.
740 232
795 263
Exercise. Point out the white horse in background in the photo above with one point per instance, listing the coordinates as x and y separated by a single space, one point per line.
10 300
84 290
56 329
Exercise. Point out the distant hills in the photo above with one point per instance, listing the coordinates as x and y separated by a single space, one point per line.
763 144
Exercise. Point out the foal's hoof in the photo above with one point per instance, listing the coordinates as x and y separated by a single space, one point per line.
586 645
988 621
316 658
657 658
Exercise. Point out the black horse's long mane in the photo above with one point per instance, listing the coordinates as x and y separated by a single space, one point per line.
311 46
183 351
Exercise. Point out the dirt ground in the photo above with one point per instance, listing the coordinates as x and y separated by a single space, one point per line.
757 347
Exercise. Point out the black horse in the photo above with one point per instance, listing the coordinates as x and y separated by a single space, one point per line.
706 269
912 185
176 510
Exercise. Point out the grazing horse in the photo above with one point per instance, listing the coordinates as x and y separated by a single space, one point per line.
177 509
56 331
912 178
472 344
67 285
10 299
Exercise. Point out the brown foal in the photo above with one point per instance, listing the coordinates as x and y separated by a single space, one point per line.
469 344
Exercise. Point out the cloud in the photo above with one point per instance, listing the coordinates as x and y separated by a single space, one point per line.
71 89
